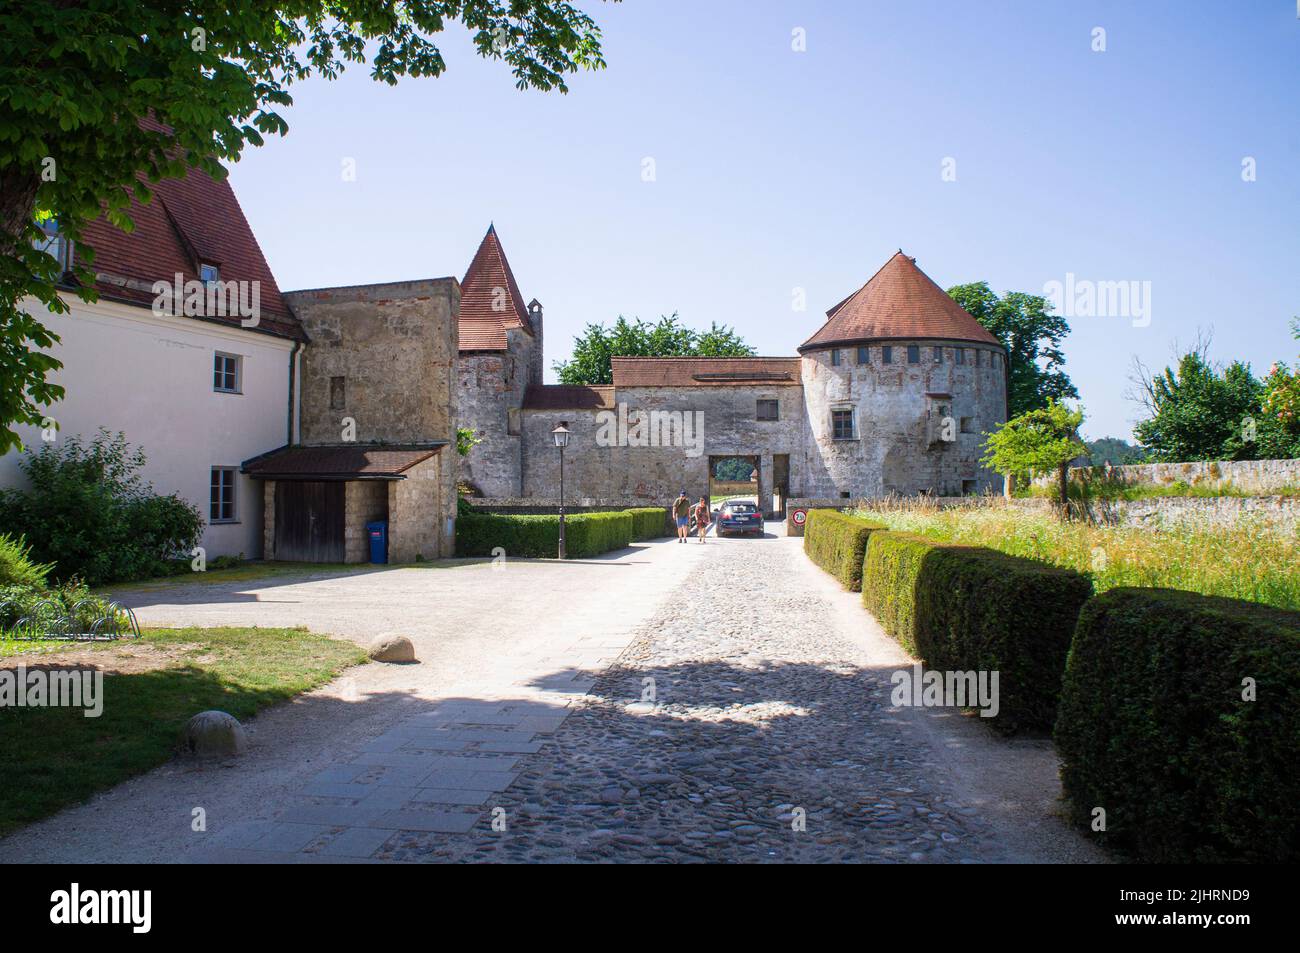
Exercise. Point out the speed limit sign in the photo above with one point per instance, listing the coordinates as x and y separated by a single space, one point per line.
799 517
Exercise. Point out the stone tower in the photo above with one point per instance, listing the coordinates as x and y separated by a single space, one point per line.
900 384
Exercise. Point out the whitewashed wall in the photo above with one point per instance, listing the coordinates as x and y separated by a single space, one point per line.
151 377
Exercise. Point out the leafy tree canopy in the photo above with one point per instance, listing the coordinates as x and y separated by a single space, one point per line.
1115 451
1032 335
98 100
593 349
1199 412
1038 441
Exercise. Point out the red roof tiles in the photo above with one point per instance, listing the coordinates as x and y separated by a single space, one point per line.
490 300
900 301
190 220
568 397
704 371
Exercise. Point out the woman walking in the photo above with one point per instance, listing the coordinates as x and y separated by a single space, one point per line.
702 517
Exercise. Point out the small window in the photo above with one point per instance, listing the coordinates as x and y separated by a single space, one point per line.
977 357
959 354
938 355
913 354
887 355
53 242
338 393
968 488
226 373
222 501
842 424
209 273
768 410
835 357
864 356
844 494
968 425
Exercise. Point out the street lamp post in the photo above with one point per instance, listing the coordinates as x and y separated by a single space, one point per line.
561 435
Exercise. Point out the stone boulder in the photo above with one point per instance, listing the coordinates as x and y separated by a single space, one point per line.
392 648
215 734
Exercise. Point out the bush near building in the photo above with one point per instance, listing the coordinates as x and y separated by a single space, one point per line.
966 608
1180 718
649 522
523 536
838 543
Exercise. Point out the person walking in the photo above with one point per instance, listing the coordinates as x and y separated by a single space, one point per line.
702 517
682 514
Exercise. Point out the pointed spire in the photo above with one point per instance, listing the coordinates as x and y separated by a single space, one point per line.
490 300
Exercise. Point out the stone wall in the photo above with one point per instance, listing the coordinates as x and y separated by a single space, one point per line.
421 512
1249 476
381 356
364 501
899 416
489 394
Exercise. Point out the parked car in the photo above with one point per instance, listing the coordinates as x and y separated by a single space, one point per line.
739 516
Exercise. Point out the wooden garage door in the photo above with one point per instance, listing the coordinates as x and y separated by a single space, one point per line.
309 521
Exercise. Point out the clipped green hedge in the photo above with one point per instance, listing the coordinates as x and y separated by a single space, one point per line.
1154 728
649 522
965 608
838 543
585 534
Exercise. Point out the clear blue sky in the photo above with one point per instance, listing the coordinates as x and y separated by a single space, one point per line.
778 169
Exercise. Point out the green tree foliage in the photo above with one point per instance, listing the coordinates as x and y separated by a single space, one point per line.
593 349
1032 336
1040 441
1199 412
90 514
1115 451
98 100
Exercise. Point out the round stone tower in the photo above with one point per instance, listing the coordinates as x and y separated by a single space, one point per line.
900 384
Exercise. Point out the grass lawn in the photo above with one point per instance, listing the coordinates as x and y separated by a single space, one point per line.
51 758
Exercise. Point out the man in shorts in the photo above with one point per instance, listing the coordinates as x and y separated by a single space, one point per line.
682 514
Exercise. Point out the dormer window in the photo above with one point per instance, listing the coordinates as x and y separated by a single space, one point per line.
209 273
53 242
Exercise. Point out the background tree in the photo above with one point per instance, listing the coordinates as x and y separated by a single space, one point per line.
1279 424
1040 441
1115 451
593 349
97 100
1032 335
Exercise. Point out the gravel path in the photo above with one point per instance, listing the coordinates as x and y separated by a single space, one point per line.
720 702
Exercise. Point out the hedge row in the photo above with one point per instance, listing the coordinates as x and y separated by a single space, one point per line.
649 522
1180 718
838 543
965 608
585 534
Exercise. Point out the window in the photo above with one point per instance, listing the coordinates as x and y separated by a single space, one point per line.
226 370
222 501
338 394
54 243
913 354
209 273
968 488
768 410
835 357
844 494
938 355
968 425
960 355
977 358
864 356
842 424
886 355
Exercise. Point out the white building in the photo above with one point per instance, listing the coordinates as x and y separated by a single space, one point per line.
200 394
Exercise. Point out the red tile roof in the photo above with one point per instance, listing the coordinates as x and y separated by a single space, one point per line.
490 300
568 397
351 462
704 371
189 220
900 301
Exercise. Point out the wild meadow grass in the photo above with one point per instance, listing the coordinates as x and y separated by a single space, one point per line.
1248 561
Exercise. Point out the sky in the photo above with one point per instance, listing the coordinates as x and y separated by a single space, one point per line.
992 141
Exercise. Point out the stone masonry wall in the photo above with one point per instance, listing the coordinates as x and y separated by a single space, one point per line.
364 501
419 512
1249 476
489 393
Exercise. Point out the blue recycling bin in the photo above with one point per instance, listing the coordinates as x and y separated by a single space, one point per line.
378 533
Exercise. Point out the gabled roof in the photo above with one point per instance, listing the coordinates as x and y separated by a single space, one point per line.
900 301
189 220
347 462
490 300
568 397
705 371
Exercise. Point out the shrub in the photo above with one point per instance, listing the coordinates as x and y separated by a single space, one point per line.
16 566
89 513
1154 729
47 609
649 522
838 543
965 608
586 534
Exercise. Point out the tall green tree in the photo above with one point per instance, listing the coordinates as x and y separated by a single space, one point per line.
668 337
100 99
1032 335
1041 440
1199 412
